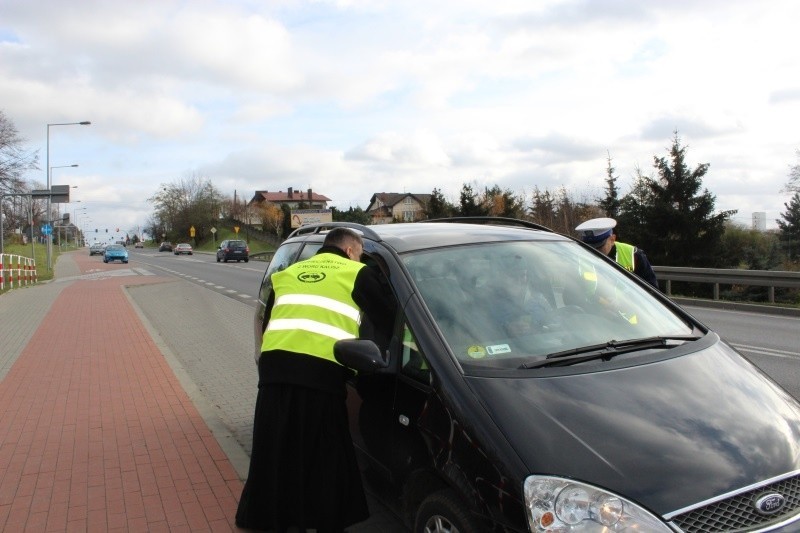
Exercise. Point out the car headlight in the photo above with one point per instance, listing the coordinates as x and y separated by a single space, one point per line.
558 505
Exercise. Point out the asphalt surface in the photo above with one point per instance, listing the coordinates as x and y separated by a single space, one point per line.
126 403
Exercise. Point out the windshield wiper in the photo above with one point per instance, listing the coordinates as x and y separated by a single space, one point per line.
607 350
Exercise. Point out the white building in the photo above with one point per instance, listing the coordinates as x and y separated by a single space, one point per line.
760 221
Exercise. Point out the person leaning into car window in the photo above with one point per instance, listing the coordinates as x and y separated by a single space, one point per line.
303 472
600 234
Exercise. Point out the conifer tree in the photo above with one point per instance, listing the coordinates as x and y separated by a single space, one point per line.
789 225
468 205
611 203
438 206
679 224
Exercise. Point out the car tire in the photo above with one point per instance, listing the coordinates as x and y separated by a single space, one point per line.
247 260
217 259
105 260
125 262
443 512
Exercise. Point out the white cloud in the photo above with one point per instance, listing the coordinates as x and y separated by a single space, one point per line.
352 97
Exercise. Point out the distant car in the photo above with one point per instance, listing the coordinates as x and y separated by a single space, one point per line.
96 248
115 252
165 247
139 244
183 248
233 250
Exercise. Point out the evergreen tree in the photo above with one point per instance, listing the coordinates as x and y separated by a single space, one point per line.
611 203
468 205
543 207
353 214
632 215
680 227
789 227
499 203
438 206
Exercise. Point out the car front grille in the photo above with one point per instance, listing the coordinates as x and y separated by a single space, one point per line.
738 512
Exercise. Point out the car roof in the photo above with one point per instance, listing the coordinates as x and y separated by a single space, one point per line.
414 236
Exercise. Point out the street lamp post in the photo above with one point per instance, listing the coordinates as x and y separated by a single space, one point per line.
75 213
49 196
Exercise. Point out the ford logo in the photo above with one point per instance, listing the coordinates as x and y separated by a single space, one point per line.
769 503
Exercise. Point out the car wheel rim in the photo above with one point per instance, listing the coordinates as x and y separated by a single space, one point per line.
439 524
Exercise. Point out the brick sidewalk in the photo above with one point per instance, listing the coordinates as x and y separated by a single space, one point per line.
96 433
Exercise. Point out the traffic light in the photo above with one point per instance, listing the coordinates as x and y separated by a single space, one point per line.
106 230
95 230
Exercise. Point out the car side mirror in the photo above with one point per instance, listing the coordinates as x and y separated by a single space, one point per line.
363 356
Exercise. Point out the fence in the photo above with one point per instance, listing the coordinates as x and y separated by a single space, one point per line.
729 276
16 269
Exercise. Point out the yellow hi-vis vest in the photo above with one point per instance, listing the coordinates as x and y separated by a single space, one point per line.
625 255
313 306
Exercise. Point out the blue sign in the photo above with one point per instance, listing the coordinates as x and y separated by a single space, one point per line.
47 229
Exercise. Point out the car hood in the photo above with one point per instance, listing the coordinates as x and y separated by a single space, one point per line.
667 434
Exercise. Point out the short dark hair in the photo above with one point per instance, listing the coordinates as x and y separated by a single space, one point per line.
342 238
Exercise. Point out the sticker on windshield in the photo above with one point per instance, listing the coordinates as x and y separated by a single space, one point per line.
498 349
476 352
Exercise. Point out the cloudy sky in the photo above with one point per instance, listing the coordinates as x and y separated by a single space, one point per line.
353 97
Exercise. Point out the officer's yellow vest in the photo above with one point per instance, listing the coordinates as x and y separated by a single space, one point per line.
314 306
625 255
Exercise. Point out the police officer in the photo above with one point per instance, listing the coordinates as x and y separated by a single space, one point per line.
303 472
599 233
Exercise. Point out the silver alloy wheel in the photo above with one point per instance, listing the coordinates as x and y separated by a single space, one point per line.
439 524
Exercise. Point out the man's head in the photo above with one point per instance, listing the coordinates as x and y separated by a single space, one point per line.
599 233
347 241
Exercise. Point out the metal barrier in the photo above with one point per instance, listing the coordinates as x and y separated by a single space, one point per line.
262 256
729 276
16 269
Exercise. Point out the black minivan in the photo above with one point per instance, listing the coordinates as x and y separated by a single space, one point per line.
531 384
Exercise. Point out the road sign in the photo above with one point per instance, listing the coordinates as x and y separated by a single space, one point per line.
191 231
47 229
236 229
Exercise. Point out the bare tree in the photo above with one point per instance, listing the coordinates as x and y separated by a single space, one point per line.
14 160
793 184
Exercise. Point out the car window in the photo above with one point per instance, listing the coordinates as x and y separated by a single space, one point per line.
503 304
412 362
283 257
309 250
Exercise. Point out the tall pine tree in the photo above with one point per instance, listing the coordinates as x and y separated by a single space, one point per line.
679 226
438 206
611 203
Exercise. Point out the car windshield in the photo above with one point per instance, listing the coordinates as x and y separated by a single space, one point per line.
505 305
114 247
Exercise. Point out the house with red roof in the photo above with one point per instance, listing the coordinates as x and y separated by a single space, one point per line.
292 198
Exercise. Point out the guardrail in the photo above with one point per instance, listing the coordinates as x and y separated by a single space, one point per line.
262 256
16 268
729 276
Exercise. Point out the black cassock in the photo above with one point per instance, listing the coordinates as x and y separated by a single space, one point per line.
303 471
